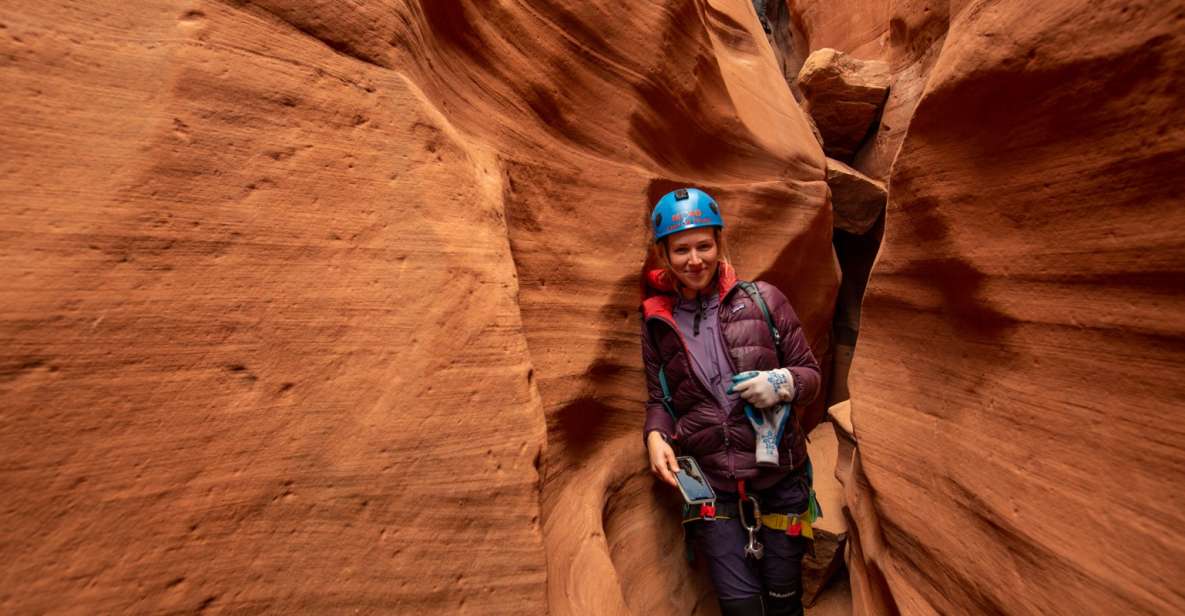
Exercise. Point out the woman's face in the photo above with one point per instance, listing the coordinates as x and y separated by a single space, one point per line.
693 255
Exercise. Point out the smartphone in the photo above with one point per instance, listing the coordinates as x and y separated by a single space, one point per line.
692 482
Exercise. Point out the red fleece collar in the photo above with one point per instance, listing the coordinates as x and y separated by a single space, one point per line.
659 290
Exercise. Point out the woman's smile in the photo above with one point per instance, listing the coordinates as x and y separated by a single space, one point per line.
693 255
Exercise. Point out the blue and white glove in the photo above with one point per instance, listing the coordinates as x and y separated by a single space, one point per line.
768 390
768 424
764 388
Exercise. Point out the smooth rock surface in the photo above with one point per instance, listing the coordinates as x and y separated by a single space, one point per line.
844 95
856 199
307 307
323 307
1013 391
251 361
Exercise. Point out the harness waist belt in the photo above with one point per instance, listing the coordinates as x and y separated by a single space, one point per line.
793 524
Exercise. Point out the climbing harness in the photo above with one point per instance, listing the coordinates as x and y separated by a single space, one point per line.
793 524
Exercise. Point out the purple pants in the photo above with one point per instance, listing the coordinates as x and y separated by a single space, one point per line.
722 544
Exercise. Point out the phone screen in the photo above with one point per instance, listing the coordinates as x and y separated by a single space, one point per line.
692 482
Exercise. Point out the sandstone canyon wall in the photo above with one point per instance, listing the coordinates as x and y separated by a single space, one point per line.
331 306
1014 391
249 345
318 306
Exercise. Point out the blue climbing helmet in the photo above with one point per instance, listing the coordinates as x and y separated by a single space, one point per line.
683 209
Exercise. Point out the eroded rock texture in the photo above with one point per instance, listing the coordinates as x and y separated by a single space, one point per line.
908 35
297 292
1013 397
330 307
261 343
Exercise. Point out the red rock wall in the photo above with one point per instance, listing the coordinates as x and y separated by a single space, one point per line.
1014 392
318 307
262 348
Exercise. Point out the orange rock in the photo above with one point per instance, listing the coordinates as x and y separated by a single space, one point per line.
1016 422
261 341
313 307
856 199
844 96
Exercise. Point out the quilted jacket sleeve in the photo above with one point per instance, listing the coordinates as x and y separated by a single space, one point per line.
796 352
657 417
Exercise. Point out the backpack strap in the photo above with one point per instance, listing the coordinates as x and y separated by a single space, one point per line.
755 293
666 393
751 289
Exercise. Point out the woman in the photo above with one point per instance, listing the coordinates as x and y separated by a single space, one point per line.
718 371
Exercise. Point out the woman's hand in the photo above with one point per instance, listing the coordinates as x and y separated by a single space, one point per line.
662 458
763 388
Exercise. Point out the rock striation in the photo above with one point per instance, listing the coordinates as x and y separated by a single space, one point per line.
1032 185
253 357
329 307
316 307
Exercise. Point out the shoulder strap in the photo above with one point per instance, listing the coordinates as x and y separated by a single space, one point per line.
666 392
755 293
666 389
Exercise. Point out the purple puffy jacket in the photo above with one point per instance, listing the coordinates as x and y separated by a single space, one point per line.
722 440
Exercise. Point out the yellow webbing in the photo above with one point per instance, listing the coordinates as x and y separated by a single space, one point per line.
781 521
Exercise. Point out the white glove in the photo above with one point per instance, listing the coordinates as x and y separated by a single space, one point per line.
769 425
764 388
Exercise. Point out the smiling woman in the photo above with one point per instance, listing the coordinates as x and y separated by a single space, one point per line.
689 239
726 361
691 256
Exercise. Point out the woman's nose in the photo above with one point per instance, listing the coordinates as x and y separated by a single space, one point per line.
695 258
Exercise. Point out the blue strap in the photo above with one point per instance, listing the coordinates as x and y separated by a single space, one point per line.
666 393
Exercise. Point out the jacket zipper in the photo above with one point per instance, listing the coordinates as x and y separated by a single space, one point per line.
728 453
699 313
731 366
685 352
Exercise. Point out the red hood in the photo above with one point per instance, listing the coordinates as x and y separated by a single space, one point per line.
658 290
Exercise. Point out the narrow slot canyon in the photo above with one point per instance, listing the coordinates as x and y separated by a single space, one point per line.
333 307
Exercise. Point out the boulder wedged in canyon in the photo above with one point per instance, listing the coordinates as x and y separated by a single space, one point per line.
299 293
844 95
1019 433
907 35
856 199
